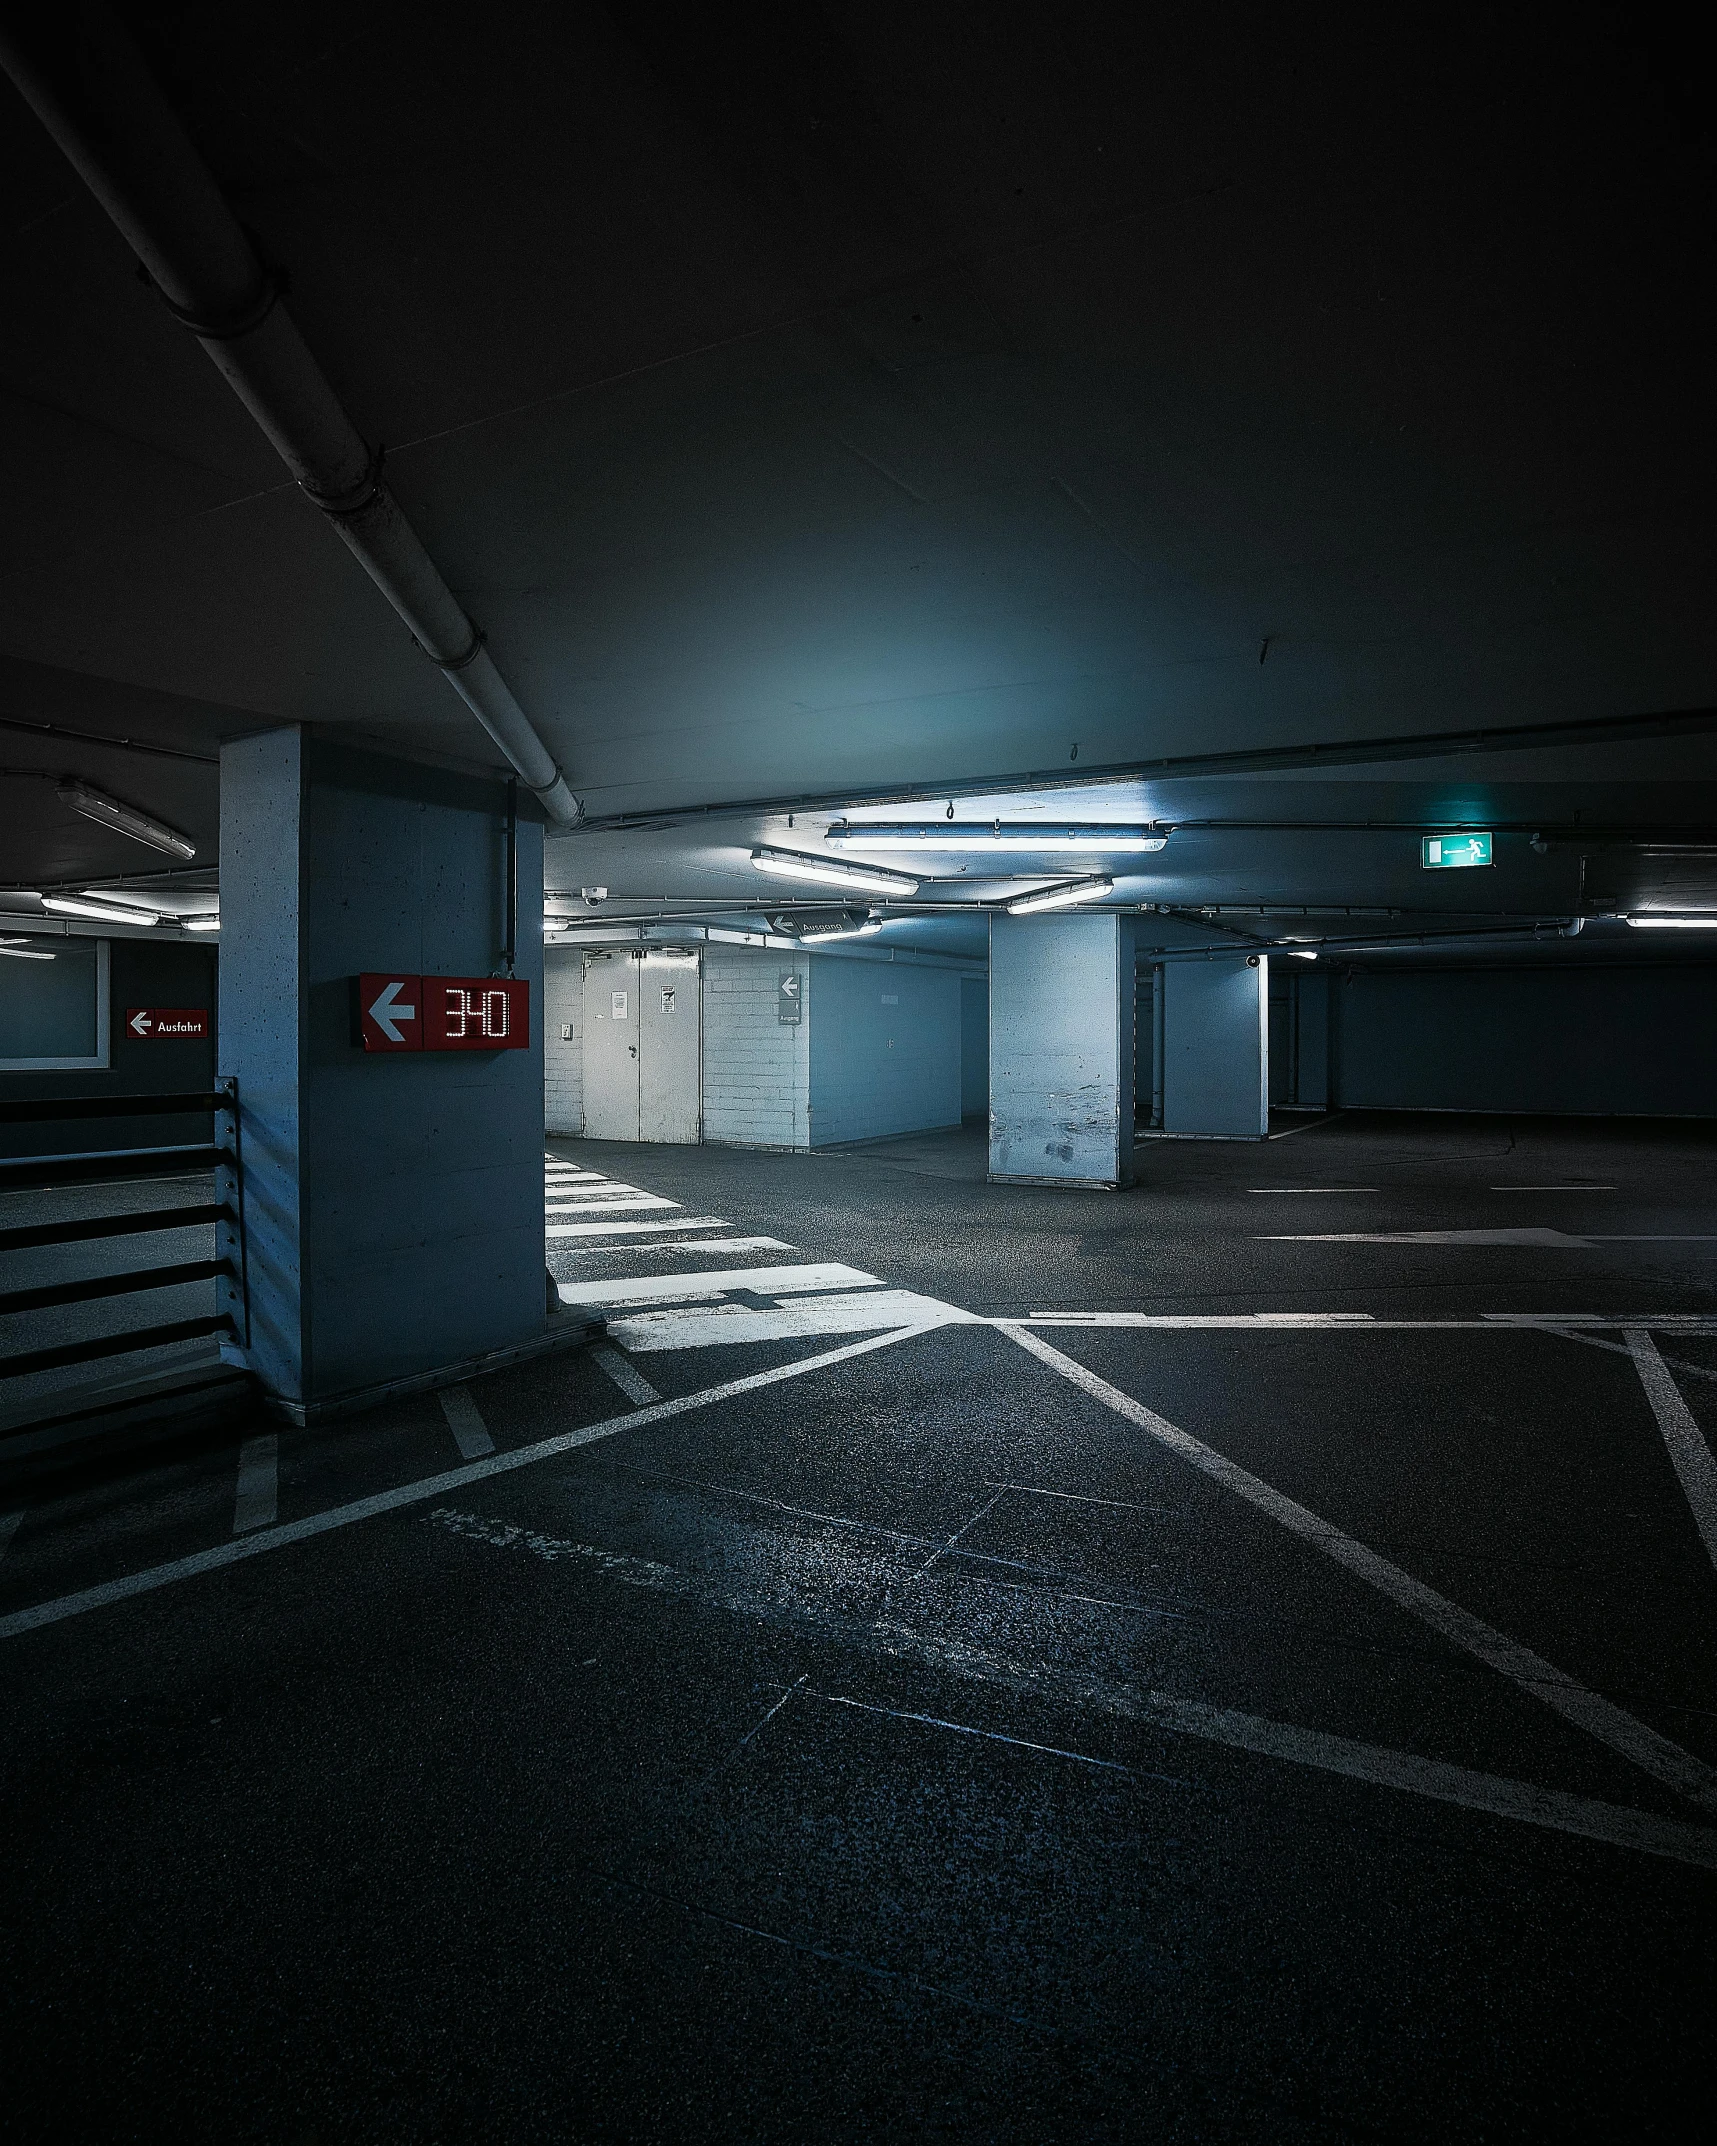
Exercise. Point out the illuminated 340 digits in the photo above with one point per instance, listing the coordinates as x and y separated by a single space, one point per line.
470 1014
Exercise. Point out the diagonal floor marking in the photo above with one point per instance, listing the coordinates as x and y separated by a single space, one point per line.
465 1421
1620 1348
434 1486
1599 1717
633 1384
257 1496
1615 1824
1689 1455
9 1523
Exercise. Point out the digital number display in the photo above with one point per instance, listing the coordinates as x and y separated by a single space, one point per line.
443 1013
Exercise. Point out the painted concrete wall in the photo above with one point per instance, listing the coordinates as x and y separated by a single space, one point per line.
884 1048
974 1047
394 1202
1216 1048
756 1070
172 973
1567 1040
1062 1010
563 1057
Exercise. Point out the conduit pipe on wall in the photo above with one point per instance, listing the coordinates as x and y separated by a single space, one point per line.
86 81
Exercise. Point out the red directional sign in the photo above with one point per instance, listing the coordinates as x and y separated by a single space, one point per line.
390 1012
166 1024
476 1013
444 1013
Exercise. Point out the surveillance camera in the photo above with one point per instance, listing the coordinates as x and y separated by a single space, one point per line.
593 895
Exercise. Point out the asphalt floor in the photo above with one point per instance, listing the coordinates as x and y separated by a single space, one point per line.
1230 1659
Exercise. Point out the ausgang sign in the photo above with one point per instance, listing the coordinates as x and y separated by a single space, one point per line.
443 1013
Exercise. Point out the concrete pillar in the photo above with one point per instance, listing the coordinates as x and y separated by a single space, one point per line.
393 1201
1216 1047
1061 1050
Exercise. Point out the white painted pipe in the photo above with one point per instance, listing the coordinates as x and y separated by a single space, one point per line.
87 83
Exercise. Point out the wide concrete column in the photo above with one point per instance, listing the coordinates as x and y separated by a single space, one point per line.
1061 1050
393 1201
1216 1047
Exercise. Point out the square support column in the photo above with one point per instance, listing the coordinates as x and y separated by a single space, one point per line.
1061 1050
1216 1048
393 1201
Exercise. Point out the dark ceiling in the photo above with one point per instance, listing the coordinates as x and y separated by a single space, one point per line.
811 400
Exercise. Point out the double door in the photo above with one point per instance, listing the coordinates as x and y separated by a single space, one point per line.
642 1047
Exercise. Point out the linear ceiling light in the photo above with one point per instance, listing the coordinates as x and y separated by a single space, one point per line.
203 923
125 820
20 952
993 835
71 905
1704 923
1061 897
790 864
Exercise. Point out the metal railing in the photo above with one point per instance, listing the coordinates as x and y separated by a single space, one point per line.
222 1152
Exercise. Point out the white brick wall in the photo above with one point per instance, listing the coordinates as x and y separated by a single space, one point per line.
885 1048
755 1067
563 1061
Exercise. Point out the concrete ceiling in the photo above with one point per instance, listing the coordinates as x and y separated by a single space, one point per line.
812 402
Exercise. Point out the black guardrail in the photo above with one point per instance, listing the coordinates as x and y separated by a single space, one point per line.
41 1170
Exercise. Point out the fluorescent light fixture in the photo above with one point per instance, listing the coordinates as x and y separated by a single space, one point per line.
125 820
76 905
202 923
1304 953
994 835
790 864
20 952
1704 923
1061 897
819 935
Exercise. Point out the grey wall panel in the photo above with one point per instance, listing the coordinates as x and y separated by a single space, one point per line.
1610 1041
974 1047
1215 1048
885 1048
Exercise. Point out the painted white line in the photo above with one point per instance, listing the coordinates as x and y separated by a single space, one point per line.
699 1288
708 1326
631 1383
1556 1238
1497 1796
1689 1454
1237 1319
9 1525
1552 1188
434 1486
1306 1128
1687 1775
258 1496
629 1203
464 1420
1620 1348
630 1229
693 1244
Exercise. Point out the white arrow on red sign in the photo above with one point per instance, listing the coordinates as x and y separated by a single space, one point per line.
140 1023
387 1012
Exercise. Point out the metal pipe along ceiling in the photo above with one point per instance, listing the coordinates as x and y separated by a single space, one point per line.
87 83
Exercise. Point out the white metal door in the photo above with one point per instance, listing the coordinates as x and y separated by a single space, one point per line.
669 1037
610 1047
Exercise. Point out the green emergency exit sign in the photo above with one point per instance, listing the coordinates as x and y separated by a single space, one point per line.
1444 853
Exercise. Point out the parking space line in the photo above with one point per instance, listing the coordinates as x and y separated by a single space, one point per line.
1599 1717
465 1421
632 1384
9 1524
258 1494
38 1614
1689 1455
1616 1825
